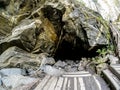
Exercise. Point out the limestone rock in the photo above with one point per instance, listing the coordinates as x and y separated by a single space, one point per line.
16 57
113 59
52 70
46 60
60 63
5 26
12 71
108 9
22 36
46 38
101 67
84 27
14 81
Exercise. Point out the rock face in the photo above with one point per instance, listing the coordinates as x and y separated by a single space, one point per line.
51 26
16 57
19 36
84 30
84 26
110 10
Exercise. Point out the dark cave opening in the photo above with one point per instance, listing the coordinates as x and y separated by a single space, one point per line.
67 51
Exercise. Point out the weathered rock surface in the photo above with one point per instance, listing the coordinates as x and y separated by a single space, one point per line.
5 30
52 70
16 57
113 59
14 81
54 25
110 10
22 36
84 26
12 71
60 63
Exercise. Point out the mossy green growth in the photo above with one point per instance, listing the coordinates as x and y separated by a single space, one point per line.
104 51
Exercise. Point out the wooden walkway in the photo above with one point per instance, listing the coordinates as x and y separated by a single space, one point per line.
112 76
73 81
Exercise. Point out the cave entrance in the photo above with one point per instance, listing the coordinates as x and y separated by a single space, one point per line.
67 51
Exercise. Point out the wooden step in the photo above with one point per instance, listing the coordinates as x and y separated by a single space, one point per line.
75 82
77 74
115 68
111 79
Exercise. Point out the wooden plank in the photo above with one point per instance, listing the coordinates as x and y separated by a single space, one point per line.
68 85
98 83
87 83
119 71
115 65
70 81
75 83
59 83
103 84
53 84
65 84
93 83
71 86
76 73
42 83
114 81
115 70
81 83
84 75
47 86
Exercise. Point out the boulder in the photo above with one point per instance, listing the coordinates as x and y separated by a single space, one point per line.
16 57
12 71
84 28
60 64
22 36
113 59
52 70
14 81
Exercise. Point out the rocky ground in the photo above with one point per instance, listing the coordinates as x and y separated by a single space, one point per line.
22 79
39 37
